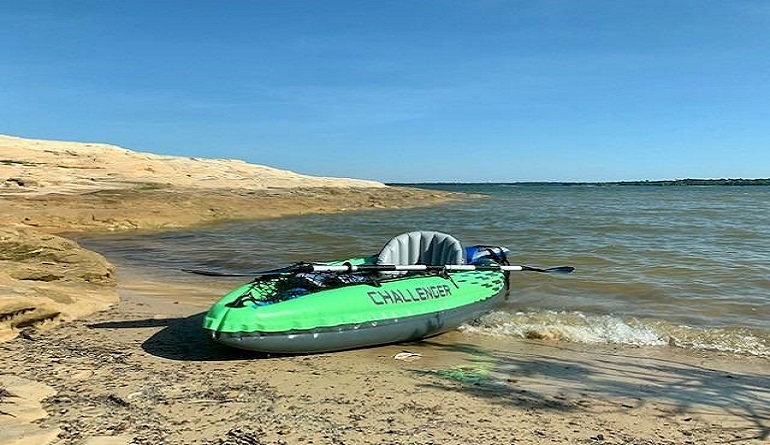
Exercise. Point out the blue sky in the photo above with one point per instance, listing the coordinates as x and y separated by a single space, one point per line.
400 91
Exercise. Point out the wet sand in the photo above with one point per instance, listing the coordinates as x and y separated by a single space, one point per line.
170 208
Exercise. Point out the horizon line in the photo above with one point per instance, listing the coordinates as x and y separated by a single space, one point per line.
685 181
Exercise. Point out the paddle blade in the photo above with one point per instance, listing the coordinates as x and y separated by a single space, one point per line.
557 270
214 273
295 268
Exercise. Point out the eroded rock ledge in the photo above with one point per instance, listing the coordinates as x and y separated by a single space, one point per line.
46 278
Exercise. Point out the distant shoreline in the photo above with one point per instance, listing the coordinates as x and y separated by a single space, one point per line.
659 183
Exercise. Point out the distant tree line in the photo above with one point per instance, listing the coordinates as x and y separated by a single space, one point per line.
677 182
666 183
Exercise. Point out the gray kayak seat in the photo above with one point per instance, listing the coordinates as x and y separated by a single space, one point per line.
422 247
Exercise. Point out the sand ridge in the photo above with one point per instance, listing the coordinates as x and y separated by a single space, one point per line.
34 166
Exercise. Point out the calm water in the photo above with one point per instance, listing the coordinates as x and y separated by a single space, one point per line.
671 266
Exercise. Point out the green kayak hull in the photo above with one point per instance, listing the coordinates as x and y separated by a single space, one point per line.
391 310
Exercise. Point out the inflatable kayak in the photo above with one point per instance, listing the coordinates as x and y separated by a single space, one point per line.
421 284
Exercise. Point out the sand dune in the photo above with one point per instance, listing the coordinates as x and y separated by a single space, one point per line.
40 166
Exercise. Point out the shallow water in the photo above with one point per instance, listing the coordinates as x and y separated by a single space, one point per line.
680 266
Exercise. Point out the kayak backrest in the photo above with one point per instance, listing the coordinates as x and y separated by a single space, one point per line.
422 247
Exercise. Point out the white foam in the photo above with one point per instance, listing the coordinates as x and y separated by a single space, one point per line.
570 326
609 329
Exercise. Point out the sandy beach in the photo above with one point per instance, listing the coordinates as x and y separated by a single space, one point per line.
95 353
143 372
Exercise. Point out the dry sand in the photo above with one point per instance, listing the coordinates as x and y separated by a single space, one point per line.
140 371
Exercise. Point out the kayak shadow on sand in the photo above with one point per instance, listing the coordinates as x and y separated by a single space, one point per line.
182 338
